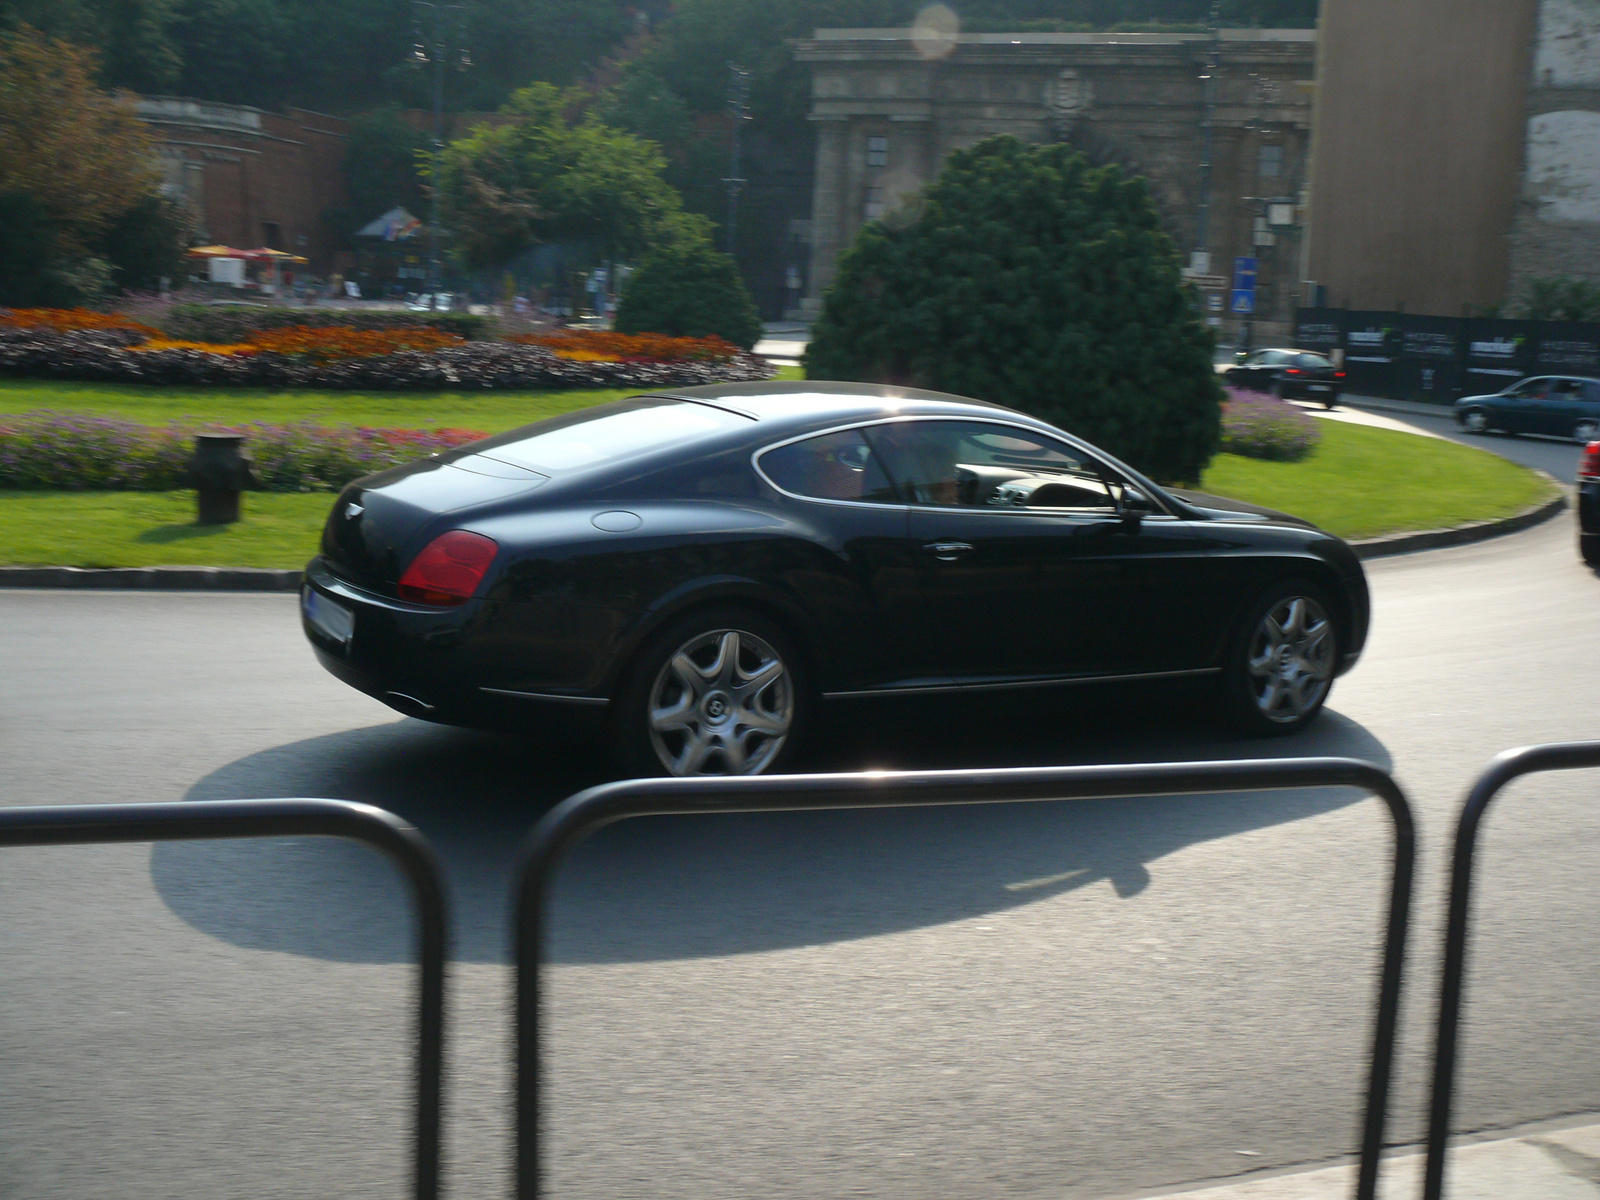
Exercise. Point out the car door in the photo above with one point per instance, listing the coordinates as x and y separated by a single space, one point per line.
1518 407
1562 408
1036 559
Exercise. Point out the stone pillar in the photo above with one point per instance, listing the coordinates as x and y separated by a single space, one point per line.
827 204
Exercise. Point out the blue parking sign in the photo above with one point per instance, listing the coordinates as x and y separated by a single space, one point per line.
1243 298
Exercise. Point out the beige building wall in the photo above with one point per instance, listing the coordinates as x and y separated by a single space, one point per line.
1417 151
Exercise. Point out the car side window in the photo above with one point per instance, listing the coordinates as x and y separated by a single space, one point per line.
972 464
834 466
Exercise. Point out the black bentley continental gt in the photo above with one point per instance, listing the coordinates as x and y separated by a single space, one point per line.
695 571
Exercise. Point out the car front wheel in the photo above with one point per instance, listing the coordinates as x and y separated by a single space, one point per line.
1475 420
718 693
1281 663
1586 431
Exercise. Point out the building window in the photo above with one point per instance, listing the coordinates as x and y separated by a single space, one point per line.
1269 162
873 208
877 151
271 235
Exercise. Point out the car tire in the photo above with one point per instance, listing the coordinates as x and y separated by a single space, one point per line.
1278 390
1332 402
1281 661
718 692
1586 431
1475 420
1589 548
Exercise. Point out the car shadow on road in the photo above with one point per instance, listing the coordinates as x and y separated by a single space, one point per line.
676 887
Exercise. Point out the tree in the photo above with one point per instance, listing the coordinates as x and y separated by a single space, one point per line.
146 244
542 178
689 290
1027 277
83 155
28 261
383 165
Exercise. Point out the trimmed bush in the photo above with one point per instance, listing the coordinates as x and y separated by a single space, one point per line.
72 451
1256 425
689 290
1026 277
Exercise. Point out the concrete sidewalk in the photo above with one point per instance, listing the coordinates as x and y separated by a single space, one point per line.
1552 1161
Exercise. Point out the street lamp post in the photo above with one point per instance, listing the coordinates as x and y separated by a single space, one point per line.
440 39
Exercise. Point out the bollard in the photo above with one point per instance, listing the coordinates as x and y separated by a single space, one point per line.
220 470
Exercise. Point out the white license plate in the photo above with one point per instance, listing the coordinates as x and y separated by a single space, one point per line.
1320 387
328 617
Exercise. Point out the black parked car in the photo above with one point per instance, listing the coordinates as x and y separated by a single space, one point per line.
1561 405
1289 375
695 571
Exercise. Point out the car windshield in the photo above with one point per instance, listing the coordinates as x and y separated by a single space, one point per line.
608 434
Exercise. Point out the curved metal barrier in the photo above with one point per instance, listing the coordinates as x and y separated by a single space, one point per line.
1502 769
98 823
588 811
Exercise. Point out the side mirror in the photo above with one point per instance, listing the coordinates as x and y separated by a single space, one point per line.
1135 505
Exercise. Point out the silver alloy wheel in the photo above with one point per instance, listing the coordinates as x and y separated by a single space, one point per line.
723 704
1475 420
1586 431
1290 659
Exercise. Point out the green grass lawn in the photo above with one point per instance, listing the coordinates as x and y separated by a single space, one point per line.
1361 482
489 411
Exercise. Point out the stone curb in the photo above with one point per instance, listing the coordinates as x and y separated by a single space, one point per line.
1476 531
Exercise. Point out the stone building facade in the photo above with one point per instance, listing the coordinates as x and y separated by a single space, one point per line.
1219 126
252 178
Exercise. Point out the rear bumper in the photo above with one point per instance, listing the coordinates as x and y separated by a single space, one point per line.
487 664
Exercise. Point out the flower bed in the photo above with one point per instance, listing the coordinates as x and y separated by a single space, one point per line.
123 355
600 345
1255 425
71 451
238 323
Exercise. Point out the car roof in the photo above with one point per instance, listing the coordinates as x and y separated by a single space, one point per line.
801 404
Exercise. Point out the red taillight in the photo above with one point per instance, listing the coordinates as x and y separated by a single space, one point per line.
1292 371
449 569
1589 464
1338 374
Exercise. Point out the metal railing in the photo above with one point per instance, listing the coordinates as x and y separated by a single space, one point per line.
1502 769
588 811
99 823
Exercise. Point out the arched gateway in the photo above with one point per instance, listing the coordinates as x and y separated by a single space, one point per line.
889 107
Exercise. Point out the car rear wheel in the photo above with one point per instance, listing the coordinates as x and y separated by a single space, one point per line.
717 693
1586 431
1281 663
1589 548
1475 420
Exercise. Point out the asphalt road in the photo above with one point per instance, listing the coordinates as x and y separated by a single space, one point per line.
1047 1000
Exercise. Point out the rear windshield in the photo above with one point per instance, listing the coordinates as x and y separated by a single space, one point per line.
610 433
1313 362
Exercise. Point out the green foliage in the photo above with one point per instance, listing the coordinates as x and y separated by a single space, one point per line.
146 243
384 164
689 290
1560 299
1026 277
29 274
543 178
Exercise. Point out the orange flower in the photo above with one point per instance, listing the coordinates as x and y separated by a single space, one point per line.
340 341
599 345
68 320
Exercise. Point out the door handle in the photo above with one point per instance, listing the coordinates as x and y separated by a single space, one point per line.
948 551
